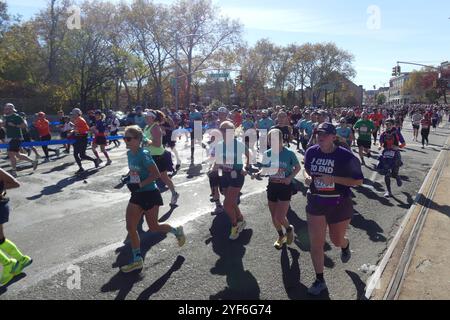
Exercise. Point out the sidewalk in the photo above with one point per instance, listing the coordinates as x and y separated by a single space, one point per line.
428 275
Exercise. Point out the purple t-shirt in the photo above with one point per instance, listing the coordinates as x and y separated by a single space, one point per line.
340 163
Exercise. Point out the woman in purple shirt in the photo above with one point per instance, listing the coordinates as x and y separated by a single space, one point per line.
330 172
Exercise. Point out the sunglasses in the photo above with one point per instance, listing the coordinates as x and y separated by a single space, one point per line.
128 139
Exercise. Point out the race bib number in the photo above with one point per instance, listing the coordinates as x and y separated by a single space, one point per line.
363 129
279 175
227 167
389 154
134 177
233 174
320 186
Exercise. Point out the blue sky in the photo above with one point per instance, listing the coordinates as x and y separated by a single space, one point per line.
414 30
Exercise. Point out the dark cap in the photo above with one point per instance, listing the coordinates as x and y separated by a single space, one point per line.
98 112
327 128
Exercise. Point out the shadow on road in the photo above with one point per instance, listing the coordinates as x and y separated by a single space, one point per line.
370 194
359 285
17 278
121 282
194 170
158 284
291 277
60 167
373 229
430 204
241 284
60 185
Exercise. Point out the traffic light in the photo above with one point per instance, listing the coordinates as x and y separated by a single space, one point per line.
399 70
394 71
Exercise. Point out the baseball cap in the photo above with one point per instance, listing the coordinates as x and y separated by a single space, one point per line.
10 105
76 111
98 112
223 110
41 114
327 128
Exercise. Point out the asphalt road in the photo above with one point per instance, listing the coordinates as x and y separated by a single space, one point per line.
68 223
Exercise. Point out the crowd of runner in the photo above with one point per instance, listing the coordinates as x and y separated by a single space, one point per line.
259 144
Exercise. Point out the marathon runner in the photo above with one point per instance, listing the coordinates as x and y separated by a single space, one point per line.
43 127
330 171
168 126
100 132
263 126
27 137
80 134
11 259
305 127
344 135
365 128
194 115
415 119
14 125
281 165
228 160
377 119
153 143
390 160
145 197
425 123
113 127
295 117
283 126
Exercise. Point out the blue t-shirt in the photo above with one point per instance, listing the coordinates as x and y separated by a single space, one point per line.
343 132
283 165
248 124
340 163
138 164
140 121
229 155
194 116
306 125
266 123
101 126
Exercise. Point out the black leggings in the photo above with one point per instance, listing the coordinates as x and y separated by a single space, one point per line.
424 133
79 150
46 149
388 176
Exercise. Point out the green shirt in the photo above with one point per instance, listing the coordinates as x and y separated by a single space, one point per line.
365 128
13 132
154 151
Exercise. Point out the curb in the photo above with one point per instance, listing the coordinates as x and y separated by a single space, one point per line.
403 240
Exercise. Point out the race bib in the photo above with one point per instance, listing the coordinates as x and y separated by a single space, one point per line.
233 174
134 177
279 175
227 167
389 154
363 129
320 186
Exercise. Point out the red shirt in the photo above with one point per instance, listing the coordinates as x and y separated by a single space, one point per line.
377 118
43 127
81 126
237 119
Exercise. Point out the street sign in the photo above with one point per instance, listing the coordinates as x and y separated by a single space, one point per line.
219 75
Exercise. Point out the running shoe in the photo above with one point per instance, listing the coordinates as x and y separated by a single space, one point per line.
280 243
317 288
28 152
57 153
14 173
234 234
80 171
108 163
346 254
46 160
180 236
290 236
135 265
24 262
177 167
387 194
99 160
174 199
9 271
97 163
399 181
241 225
218 210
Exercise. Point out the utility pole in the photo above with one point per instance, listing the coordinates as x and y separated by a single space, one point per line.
176 72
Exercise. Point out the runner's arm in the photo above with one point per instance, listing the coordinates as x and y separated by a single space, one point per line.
154 175
9 181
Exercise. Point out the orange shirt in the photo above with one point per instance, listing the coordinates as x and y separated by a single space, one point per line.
81 126
43 127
